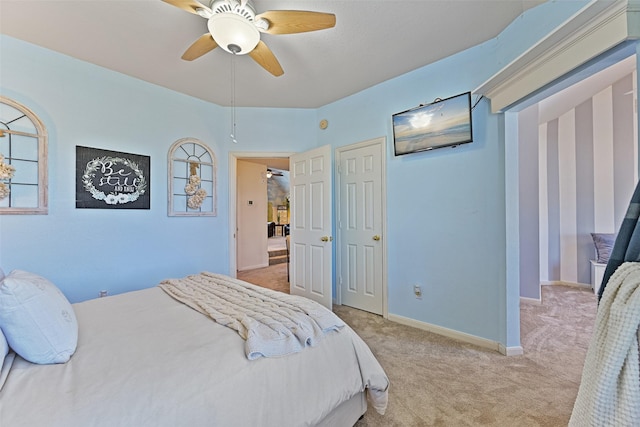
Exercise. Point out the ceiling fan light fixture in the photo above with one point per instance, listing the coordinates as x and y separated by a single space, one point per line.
261 24
269 173
233 33
204 11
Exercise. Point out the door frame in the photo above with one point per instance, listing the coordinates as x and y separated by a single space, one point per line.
382 140
234 156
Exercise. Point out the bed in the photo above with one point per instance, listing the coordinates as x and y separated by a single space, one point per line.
146 358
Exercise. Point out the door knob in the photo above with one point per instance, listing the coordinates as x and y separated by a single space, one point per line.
326 238
376 237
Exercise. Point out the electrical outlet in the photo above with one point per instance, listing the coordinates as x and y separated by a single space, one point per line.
417 290
103 294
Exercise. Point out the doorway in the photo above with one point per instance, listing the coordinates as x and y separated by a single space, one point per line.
380 216
577 168
257 237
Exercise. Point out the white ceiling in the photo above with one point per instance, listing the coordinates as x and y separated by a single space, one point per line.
373 41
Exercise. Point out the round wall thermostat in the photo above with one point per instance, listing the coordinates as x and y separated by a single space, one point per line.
324 124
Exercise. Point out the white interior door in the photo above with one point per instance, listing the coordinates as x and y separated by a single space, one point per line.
360 225
311 225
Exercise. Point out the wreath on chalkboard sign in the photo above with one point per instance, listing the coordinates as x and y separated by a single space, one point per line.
113 197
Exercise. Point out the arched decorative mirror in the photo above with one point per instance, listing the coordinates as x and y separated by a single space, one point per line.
192 179
23 160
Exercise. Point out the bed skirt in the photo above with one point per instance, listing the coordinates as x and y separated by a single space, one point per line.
348 413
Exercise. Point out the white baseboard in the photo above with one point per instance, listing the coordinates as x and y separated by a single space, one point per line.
253 267
572 284
460 336
527 300
511 351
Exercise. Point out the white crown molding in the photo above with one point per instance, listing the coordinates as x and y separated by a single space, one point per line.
596 28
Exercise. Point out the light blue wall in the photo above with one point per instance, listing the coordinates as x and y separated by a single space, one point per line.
446 208
86 250
446 212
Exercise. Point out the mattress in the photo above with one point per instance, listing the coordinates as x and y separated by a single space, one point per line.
145 359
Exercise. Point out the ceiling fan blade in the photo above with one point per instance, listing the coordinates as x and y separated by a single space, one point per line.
296 21
188 5
267 60
204 44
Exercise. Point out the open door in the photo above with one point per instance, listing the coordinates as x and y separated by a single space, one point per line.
311 225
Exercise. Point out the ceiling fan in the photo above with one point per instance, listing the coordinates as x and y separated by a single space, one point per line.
235 27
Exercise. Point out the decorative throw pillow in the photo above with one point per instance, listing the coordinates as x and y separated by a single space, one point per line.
604 245
37 319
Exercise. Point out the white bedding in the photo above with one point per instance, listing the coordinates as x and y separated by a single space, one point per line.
144 359
273 324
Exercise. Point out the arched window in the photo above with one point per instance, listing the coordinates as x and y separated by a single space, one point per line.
192 179
23 160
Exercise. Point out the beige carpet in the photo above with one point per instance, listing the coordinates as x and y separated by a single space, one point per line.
436 381
272 277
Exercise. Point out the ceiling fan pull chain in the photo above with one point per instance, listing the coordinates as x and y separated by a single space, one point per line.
233 100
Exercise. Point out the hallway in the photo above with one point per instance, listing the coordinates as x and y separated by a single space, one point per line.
272 277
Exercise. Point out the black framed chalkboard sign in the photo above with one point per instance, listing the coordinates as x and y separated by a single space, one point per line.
112 180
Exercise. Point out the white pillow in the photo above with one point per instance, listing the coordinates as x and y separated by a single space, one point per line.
37 319
4 348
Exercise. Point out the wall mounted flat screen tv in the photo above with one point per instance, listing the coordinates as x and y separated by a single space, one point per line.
443 123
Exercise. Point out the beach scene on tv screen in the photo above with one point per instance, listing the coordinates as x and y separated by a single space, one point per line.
442 123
